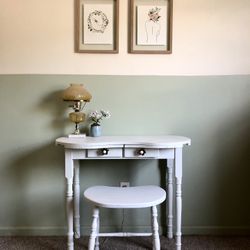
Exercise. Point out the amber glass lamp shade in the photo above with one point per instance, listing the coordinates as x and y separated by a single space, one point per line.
77 94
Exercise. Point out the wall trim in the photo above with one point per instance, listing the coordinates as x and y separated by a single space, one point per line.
215 230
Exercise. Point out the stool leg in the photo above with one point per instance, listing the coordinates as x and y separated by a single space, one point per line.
94 229
97 238
155 228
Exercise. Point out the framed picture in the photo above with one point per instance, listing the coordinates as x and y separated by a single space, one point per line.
96 26
150 26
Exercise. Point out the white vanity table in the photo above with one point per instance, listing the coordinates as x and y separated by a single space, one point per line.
123 147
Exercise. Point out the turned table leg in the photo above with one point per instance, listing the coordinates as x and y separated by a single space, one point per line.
69 166
178 176
69 211
170 164
77 232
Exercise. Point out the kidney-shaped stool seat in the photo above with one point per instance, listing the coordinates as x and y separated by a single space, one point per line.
128 197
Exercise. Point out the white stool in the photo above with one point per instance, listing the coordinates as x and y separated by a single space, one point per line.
129 197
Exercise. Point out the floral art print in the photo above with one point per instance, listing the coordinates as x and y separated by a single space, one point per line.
151 25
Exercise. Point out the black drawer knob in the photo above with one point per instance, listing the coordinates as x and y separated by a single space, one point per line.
141 151
105 151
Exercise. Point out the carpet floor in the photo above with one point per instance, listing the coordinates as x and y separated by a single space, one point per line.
133 243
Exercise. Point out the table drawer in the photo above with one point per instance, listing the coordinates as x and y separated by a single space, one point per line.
141 153
105 153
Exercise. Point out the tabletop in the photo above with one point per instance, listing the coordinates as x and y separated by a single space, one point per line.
166 141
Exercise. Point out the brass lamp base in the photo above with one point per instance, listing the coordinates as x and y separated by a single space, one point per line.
77 136
77 117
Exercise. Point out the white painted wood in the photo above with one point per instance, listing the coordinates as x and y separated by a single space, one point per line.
78 154
135 152
69 166
124 234
94 229
76 188
118 141
69 211
130 197
155 229
178 176
98 233
169 147
170 164
101 153
166 153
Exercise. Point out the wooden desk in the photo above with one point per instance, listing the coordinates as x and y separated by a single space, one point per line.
122 147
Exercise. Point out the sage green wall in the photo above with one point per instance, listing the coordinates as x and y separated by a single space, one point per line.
213 111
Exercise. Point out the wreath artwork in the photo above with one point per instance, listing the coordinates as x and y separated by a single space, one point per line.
97 21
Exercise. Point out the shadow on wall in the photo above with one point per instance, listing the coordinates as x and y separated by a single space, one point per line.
37 179
32 167
54 104
232 177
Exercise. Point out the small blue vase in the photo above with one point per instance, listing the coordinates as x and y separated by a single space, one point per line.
95 130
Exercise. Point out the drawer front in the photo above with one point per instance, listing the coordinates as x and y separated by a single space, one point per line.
141 153
105 153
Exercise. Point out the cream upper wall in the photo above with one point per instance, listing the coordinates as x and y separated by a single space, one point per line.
210 37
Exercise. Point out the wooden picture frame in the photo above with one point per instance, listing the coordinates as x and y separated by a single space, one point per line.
150 23
96 26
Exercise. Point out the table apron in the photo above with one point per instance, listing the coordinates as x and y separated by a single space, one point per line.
121 153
